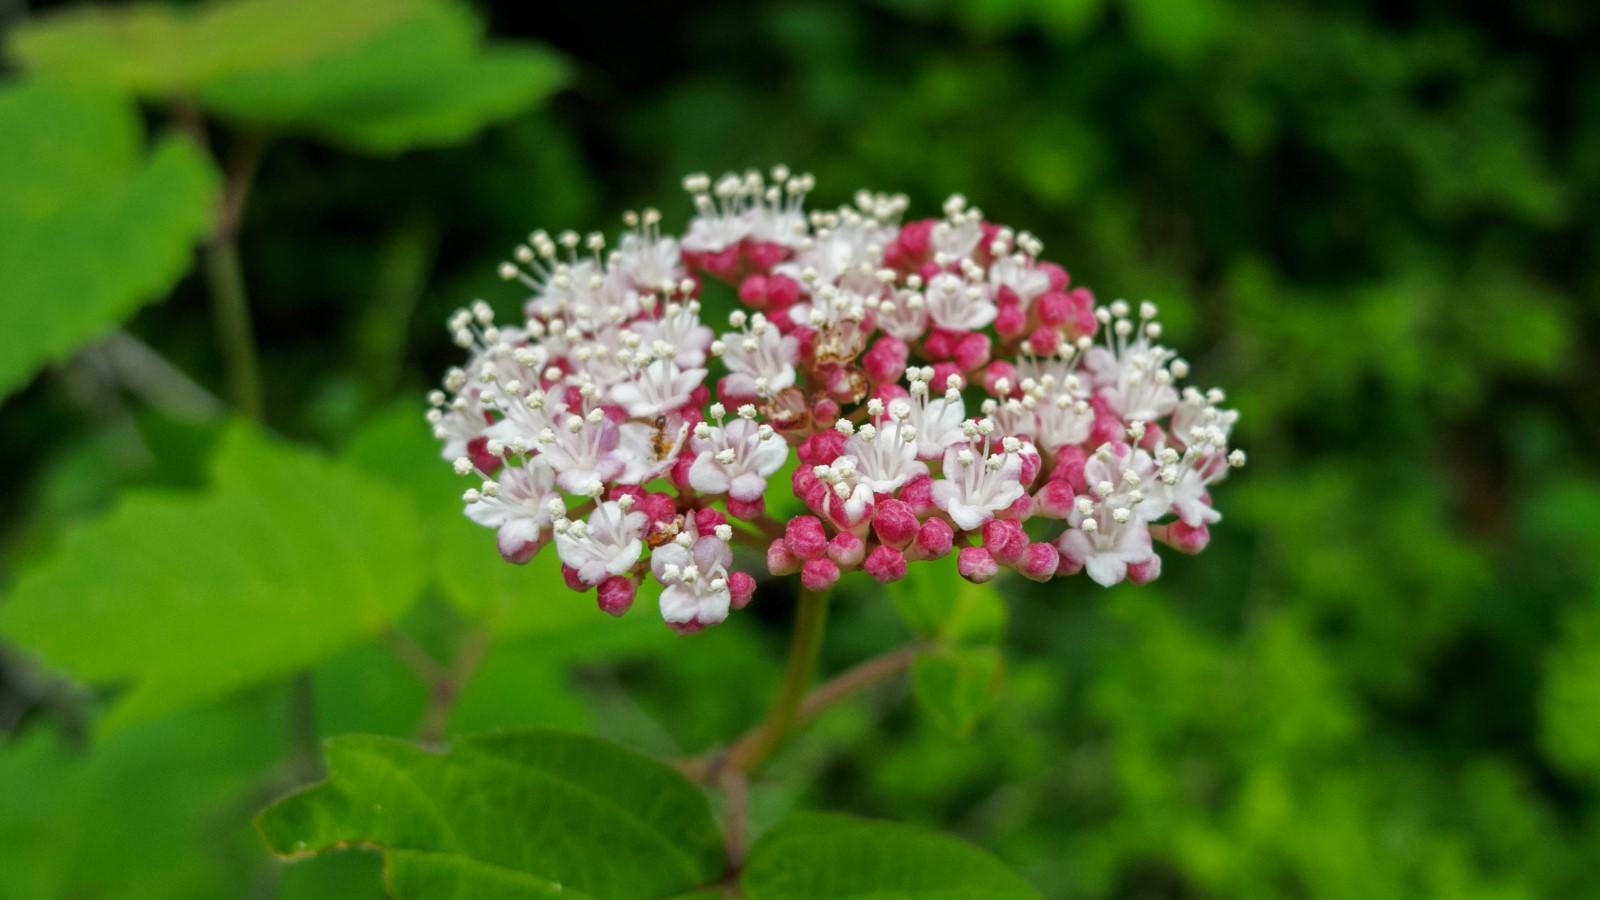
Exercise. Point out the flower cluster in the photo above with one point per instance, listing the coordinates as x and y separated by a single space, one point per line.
941 387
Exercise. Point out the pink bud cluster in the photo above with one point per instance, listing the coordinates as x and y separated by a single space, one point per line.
942 388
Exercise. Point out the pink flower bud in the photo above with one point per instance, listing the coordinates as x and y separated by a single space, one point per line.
1020 509
847 550
941 376
916 238
1054 309
753 291
1039 562
749 510
723 264
1010 320
764 255
741 587
919 493
1146 571
976 565
570 576
1044 341
1069 468
939 343
886 564
1004 539
886 361
1001 370
805 537
707 519
819 574
1083 321
478 453
1031 464
826 410
1067 565
934 539
1181 537
1057 275
895 523
821 448
1054 500
782 292
616 594
971 351
780 561
889 393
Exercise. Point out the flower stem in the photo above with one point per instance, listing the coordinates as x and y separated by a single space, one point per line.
811 618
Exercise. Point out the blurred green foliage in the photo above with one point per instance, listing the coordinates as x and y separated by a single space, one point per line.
1371 222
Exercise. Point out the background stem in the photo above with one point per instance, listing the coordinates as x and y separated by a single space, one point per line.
811 618
231 309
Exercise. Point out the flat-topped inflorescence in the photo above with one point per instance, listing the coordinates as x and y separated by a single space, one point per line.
940 387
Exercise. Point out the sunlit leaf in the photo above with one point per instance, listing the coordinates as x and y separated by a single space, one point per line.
91 227
423 83
287 559
168 50
513 815
832 857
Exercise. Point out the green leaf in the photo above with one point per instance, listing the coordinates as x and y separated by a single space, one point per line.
157 812
938 603
832 857
957 685
372 75
1570 699
91 228
164 50
286 560
509 815
422 83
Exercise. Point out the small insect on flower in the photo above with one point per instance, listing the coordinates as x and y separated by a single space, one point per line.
938 385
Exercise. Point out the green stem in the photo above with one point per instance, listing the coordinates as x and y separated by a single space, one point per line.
811 619
231 309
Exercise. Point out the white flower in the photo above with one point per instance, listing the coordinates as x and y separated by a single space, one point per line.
760 361
581 449
517 505
958 305
608 543
1105 541
957 236
648 260
905 316
657 388
736 459
1020 276
677 332
1127 476
937 422
1132 373
976 485
884 459
693 570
